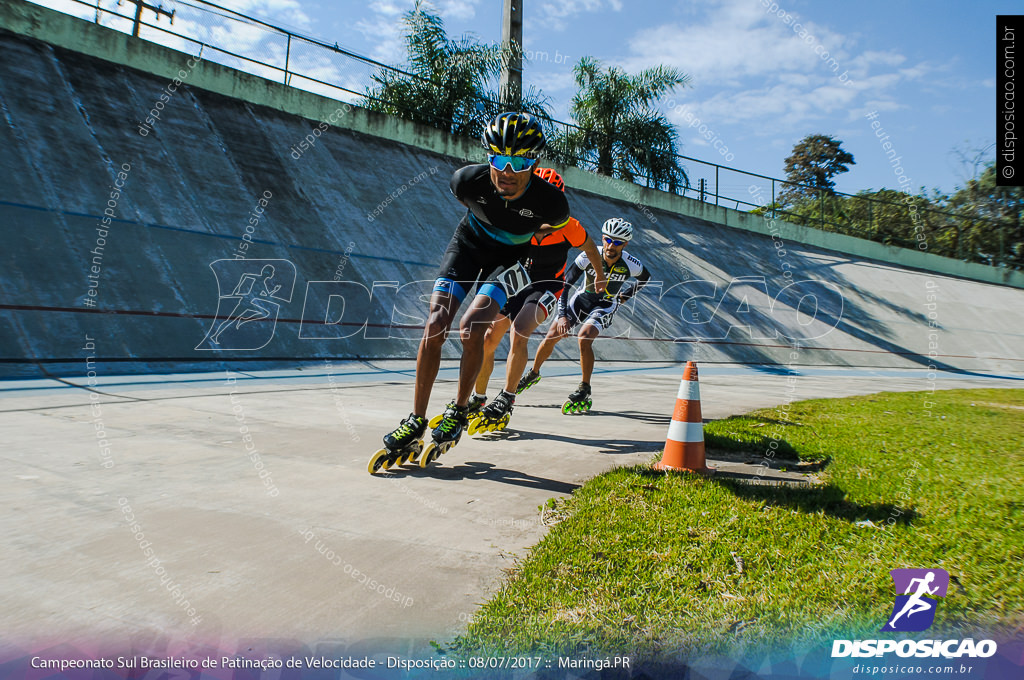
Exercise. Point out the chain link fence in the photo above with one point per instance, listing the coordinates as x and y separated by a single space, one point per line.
248 44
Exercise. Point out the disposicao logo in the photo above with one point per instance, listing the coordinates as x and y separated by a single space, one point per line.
917 593
914 609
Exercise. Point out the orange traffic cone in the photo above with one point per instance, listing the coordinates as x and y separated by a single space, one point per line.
684 448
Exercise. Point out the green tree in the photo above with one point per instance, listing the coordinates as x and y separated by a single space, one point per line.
453 82
992 230
618 131
815 160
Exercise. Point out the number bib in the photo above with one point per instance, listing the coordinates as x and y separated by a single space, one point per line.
513 279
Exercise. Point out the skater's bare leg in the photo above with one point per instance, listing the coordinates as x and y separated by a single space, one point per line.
559 329
428 359
531 316
492 338
472 330
587 335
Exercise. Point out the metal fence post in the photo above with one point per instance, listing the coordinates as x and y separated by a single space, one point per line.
717 192
821 203
287 56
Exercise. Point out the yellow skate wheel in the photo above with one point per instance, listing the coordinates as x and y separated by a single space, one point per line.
474 426
566 408
414 452
435 421
429 455
380 461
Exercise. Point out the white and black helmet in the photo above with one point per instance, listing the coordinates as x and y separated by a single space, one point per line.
618 228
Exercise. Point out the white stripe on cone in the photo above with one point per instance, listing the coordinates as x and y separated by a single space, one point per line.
689 390
686 432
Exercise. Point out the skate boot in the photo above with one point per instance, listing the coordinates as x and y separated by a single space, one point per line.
445 435
402 445
436 420
527 381
476 404
579 401
495 416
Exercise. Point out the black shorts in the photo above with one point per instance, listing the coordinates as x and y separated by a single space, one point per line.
470 259
542 293
584 307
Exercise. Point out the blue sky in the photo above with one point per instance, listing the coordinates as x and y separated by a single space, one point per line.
765 73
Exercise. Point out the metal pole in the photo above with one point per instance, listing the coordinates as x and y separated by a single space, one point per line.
287 55
139 6
773 198
138 20
822 204
511 85
716 185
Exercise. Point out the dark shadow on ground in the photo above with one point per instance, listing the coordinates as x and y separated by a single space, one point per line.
747 445
774 462
481 470
811 499
619 446
642 416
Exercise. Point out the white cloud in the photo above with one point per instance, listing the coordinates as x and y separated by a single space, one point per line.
774 75
553 14
460 10
385 30
735 40
287 14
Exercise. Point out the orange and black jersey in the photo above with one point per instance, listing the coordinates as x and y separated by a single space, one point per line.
549 252
509 222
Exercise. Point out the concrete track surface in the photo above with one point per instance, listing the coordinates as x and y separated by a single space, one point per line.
149 505
316 549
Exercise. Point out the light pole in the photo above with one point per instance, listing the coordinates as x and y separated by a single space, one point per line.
511 85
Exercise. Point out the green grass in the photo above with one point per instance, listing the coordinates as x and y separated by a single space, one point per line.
648 563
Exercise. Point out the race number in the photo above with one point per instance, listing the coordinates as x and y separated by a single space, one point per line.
548 301
513 279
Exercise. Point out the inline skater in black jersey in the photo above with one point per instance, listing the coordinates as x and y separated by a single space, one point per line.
591 308
528 310
504 210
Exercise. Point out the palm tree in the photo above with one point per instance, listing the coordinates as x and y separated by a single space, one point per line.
451 83
618 131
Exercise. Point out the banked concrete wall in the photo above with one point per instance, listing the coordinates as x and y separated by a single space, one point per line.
121 237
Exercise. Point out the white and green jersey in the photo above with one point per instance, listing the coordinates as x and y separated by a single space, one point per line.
617 274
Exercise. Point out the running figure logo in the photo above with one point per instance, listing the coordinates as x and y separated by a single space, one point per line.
258 287
914 610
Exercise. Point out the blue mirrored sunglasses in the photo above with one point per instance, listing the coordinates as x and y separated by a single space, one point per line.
517 163
614 241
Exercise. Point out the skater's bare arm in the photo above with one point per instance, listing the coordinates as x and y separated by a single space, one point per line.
560 327
546 229
629 291
594 255
571 275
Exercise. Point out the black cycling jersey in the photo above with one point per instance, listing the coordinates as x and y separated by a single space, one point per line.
508 222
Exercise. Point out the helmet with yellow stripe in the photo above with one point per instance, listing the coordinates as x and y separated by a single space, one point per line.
514 134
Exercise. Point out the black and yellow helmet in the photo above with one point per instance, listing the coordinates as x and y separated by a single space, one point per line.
514 134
